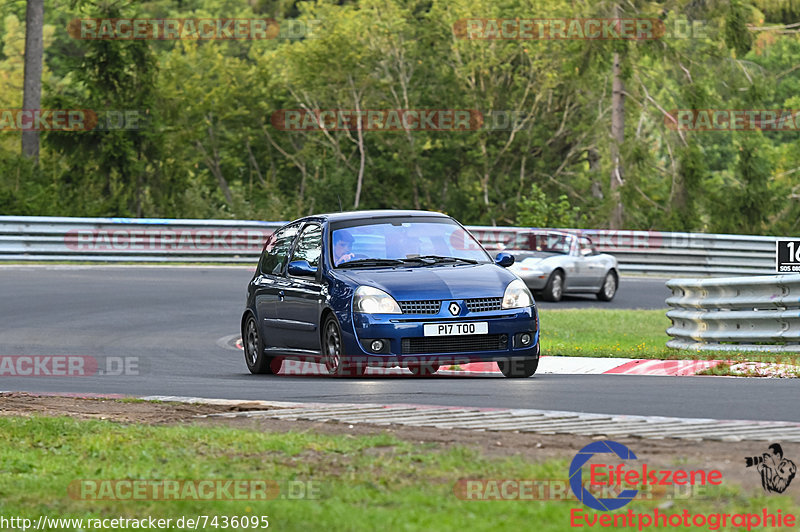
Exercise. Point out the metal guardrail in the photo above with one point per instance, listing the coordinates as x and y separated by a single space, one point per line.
38 238
736 314
34 238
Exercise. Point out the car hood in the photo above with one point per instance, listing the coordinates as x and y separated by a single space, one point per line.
436 282
533 257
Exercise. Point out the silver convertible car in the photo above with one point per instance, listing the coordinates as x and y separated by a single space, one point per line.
554 263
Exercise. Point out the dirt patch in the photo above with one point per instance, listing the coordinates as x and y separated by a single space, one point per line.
22 404
662 454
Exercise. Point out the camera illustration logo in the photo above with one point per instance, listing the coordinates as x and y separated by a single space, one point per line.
576 477
776 471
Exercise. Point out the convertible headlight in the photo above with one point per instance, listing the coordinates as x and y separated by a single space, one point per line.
526 269
370 300
517 295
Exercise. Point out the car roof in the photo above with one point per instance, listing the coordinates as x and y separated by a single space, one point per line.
367 214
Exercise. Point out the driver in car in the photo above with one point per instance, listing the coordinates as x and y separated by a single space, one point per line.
342 247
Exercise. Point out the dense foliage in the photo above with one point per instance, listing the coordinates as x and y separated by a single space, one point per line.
205 145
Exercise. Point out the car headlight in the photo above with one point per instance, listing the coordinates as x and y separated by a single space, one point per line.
517 295
526 269
370 300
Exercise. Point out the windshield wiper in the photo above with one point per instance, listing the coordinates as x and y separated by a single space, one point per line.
370 262
439 258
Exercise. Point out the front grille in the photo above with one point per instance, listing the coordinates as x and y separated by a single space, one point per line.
484 304
454 344
420 307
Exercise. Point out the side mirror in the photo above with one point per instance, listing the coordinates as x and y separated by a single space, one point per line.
301 268
504 259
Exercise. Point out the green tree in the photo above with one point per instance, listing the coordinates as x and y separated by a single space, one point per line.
745 206
111 170
536 210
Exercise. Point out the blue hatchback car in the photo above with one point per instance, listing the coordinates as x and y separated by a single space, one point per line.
386 288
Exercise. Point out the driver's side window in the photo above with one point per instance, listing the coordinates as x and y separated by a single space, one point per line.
309 246
587 249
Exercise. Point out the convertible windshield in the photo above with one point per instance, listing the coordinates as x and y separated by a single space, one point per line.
500 239
405 242
551 242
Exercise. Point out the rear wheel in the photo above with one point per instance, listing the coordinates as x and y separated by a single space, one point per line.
554 288
609 288
257 362
335 361
519 367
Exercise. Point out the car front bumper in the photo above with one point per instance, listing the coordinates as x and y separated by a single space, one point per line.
405 343
533 280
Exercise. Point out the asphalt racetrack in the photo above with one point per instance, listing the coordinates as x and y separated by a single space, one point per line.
172 324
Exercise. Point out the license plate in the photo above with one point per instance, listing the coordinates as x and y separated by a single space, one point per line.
456 329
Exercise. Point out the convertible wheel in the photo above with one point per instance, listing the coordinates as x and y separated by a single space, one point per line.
609 288
554 288
254 356
423 369
333 352
518 368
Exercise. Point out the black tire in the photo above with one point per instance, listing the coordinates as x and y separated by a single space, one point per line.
423 369
554 289
609 288
333 356
519 368
254 357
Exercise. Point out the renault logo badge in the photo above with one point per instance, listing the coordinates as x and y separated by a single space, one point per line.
454 309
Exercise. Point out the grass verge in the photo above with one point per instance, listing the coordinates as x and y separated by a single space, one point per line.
374 482
628 334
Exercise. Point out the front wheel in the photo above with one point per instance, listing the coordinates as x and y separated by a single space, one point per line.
518 368
257 362
336 363
609 288
554 288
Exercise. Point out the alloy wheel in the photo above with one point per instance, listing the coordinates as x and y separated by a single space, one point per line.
251 342
558 286
333 348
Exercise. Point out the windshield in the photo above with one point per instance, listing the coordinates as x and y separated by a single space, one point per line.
405 240
551 242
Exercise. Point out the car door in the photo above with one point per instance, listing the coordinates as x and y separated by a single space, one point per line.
270 282
593 264
299 308
569 262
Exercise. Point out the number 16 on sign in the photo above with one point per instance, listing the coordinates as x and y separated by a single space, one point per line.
787 256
